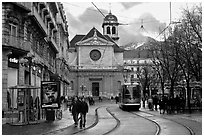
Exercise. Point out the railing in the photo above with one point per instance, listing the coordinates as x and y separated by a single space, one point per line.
16 42
39 19
54 44
25 5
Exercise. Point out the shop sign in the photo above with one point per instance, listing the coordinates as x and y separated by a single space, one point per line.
13 62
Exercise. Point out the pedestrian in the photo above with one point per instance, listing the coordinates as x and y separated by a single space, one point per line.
100 99
116 99
83 111
161 105
155 102
75 109
150 103
143 102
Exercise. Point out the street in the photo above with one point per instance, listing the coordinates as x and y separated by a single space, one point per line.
111 120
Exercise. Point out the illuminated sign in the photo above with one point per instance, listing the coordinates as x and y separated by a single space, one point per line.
13 62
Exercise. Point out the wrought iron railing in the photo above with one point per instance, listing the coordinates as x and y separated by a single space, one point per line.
16 42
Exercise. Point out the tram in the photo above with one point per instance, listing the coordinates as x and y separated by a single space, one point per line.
130 96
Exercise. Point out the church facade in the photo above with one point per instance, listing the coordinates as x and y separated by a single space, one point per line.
96 61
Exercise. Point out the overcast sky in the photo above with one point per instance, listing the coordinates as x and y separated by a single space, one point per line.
154 16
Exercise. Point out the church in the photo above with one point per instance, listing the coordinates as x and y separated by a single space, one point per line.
96 61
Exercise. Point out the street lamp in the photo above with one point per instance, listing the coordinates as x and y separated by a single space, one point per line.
28 61
31 62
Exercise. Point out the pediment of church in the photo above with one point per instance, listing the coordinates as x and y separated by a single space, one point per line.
94 39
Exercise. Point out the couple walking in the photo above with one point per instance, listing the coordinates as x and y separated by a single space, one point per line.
80 108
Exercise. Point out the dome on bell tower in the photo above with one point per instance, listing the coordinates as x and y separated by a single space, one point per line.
111 18
110 26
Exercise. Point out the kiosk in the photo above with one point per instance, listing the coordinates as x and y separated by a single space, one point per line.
26 111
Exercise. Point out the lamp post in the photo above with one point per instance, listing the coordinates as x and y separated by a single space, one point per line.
27 61
29 68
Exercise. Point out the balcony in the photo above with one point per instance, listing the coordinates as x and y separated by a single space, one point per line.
39 20
16 43
53 19
24 5
52 43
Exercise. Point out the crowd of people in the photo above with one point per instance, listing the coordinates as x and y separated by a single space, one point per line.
168 104
165 104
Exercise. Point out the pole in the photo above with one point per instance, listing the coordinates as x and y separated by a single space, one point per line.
170 11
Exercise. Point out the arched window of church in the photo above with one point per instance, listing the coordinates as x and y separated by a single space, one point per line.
113 30
108 30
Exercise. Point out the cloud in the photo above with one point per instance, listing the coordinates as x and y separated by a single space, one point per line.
127 33
88 19
134 33
128 5
127 36
151 24
92 16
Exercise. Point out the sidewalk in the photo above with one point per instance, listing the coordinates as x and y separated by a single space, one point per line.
195 116
45 127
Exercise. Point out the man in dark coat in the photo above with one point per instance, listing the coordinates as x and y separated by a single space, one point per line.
83 111
75 109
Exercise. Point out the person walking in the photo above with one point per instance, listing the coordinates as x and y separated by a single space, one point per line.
116 99
75 109
150 103
83 111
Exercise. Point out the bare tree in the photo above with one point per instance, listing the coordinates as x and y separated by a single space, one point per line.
187 42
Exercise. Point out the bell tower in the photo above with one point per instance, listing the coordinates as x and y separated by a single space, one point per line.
110 26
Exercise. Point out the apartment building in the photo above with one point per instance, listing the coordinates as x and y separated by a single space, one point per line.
34 46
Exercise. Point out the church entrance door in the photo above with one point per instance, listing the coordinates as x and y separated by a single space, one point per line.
95 88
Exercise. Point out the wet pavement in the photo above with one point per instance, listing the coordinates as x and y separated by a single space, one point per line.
53 127
65 125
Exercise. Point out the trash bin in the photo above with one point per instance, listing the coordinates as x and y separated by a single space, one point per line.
50 115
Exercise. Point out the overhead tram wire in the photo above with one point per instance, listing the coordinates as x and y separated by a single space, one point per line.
146 21
170 21
98 9
126 17
142 27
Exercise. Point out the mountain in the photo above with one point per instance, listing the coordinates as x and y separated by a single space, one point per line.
139 43
138 49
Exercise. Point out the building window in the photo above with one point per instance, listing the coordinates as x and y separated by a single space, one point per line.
113 30
145 62
138 69
132 76
108 30
13 30
132 69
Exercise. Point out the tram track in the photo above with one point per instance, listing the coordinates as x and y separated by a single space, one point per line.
98 120
158 127
107 120
117 120
94 124
187 127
